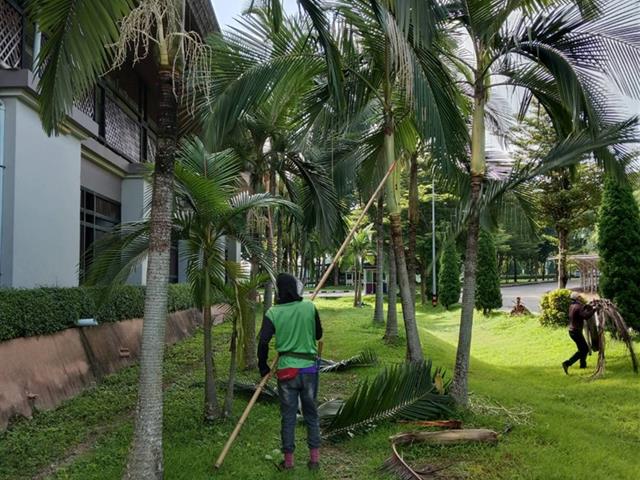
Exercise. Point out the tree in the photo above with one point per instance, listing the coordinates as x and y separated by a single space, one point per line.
619 247
208 212
449 276
548 54
378 315
568 197
488 296
391 330
84 41
359 249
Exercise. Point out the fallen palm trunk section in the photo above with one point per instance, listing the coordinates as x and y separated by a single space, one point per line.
398 466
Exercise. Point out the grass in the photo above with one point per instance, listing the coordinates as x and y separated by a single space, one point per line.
577 428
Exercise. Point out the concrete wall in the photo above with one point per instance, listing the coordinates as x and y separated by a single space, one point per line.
136 194
99 180
39 373
41 234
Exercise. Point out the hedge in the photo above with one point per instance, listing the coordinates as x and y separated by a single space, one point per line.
555 308
40 311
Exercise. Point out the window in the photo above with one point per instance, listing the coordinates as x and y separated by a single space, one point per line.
98 216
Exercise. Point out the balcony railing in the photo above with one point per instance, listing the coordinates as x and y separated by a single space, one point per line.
13 30
123 126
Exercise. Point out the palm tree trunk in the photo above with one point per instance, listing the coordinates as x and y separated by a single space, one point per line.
356 284
145 460
249 349
233 367
563 247
413 224
391 332
378 315
336 275
268 289
459 385
211 407
414 348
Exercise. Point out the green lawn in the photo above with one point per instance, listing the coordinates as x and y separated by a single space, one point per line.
577 428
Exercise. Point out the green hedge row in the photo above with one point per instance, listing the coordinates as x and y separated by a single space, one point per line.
39 311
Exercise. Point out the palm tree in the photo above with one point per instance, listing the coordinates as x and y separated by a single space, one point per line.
409 94
271 70
209 211
562 56
359 249
84 41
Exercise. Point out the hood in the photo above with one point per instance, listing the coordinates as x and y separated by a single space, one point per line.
289 289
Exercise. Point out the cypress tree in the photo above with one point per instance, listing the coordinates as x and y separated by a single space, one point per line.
449 278
619 247
488 295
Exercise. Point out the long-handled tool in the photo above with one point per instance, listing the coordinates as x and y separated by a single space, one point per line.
321 283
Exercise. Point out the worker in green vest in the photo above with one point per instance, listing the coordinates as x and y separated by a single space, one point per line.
296 324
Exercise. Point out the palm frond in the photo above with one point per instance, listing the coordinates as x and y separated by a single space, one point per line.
405 391
75 54
366 358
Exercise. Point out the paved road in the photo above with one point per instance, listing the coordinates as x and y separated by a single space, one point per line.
530 295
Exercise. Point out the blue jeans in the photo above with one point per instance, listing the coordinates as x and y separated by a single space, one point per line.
304 387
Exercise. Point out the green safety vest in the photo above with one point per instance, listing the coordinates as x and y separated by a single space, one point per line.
295 325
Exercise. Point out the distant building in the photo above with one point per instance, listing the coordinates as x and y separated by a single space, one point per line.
59 194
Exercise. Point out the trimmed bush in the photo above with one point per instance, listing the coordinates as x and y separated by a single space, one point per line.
555 308
619 247
488 295
40 311
449 278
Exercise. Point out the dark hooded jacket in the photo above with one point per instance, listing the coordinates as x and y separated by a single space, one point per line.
578 313
287 292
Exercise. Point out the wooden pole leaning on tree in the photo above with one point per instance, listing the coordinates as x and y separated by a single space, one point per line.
322 281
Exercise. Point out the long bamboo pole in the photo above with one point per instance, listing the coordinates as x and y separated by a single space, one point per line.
345 244
322 281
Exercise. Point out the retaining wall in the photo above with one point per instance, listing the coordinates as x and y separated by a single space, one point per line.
42 372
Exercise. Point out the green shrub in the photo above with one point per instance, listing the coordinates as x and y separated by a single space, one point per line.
39 311
449 278
555 308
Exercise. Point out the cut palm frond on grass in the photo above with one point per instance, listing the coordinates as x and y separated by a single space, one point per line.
366 358
408 391
247 388
397 465
607 313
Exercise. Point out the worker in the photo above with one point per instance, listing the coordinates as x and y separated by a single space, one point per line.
296 325
578 313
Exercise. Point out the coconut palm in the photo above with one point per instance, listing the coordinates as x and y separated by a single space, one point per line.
564 56
210 210
359 249
85 40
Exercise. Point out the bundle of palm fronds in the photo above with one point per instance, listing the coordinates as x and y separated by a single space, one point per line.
607 313
398 466
365 358
408 391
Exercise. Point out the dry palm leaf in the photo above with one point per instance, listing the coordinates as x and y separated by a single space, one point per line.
398 466
607 313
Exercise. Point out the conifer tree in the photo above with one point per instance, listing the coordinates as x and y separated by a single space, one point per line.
619 247
488 296
449 279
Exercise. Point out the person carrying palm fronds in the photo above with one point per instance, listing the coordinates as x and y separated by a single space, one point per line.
578 314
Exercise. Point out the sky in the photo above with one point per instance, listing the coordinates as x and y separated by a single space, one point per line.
227 10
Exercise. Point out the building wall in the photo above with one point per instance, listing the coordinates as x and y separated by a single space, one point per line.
100 181
41 202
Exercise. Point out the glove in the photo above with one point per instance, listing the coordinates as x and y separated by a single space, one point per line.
264 372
